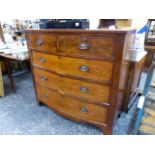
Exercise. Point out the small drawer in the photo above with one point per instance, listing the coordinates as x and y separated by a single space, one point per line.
47 79
88 69
87 46
48 97
72 107
43 42
79 88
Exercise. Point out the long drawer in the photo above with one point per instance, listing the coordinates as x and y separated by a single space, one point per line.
71 106
89 69
43 42
87 45
75 87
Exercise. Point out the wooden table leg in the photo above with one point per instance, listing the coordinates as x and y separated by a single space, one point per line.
9 72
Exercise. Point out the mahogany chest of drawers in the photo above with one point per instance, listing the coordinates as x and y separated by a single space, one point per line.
83 75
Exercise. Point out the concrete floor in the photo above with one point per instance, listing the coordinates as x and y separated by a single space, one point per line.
19 115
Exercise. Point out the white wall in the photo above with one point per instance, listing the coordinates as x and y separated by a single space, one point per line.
93 23
136 23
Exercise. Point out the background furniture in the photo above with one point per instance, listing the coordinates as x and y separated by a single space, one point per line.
85 75
150 45
7 59
12 50
150 57
1 78
1 83
1 34
118 23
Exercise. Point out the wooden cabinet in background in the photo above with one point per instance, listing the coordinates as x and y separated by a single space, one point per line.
1 83
150 57
118 23
150 45
84 75
1 34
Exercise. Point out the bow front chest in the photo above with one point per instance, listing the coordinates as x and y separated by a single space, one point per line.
83 74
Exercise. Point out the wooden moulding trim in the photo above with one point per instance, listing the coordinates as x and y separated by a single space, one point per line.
73 76
76 97
100 58
77 31
79 119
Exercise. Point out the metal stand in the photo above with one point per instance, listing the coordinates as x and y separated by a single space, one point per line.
141 106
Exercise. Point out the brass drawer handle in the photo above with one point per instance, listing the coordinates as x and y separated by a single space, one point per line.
45 95
84 109
44 78
84 68
84 46
84 89
42 60
39 42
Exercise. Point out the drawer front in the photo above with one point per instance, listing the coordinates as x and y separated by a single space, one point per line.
48 97
47 79
89 69
74 87
92 46
89 90
83 110
43 42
